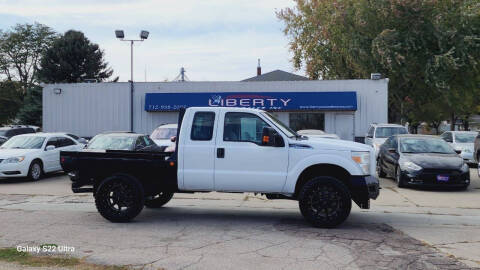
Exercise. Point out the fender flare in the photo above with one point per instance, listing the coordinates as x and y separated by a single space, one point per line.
323 159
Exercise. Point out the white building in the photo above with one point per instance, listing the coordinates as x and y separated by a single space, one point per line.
343 107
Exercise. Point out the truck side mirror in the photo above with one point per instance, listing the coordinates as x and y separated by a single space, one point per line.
270 137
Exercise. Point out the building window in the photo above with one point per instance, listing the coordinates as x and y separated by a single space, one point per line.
300 121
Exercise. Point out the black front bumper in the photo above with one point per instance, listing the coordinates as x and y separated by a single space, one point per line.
429 178
364 188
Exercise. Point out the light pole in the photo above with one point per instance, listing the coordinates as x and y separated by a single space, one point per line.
121 36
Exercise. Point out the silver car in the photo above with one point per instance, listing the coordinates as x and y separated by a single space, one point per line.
462 142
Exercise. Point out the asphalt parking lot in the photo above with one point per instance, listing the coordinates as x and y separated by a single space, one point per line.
405 228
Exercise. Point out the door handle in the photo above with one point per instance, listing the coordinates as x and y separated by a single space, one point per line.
220 152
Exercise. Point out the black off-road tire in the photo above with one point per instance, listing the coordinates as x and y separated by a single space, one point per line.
35 171
325 202
159 200
120 198
380 171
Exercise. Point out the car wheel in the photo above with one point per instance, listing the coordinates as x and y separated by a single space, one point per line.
119 198
380 171
325 202
35 172
398 177
159 200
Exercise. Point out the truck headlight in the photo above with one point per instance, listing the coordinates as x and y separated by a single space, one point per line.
363 160
13 160
409 166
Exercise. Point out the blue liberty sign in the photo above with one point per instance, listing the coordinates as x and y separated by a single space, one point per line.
271 101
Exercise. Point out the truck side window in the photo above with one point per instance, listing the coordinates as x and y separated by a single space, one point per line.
243 127
202 127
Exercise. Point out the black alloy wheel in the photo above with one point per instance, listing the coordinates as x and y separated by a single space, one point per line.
119 198
325 202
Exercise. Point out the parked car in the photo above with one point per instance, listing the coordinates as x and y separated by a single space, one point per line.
317 133
463 143
3 139
10 131
163 134
78 139
231 150
414 160
476 148
33 155
378 133
122 141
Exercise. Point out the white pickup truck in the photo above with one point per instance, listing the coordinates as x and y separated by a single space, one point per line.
231 150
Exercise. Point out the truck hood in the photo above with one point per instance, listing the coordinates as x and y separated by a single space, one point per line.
8 153
329 144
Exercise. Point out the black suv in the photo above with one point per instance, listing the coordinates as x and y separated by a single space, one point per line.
10 131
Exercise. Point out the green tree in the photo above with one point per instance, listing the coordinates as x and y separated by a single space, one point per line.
428 48
21 49
31 111
73 58
10 101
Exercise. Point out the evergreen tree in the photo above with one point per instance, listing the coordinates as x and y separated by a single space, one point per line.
31 112
10 100
73 58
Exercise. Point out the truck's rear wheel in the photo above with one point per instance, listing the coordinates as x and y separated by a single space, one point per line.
159 200
325 202
119 198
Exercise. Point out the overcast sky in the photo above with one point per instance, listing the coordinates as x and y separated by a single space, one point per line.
215 40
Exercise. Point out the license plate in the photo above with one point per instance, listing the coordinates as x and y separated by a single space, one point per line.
442 178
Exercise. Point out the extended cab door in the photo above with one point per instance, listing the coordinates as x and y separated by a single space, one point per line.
242 163
197 150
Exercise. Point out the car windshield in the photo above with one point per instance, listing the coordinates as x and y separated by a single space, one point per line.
425 145
105 142
284 128
3 132
24 142
163 133
385 132
465 137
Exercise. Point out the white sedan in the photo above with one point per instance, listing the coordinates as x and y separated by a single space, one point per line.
32 155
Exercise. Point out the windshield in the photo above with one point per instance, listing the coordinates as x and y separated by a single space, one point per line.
284 128
163 133
385 132
465 137
425 145
105 142
24 142
3 132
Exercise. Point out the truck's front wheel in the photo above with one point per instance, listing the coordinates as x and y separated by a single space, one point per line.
325 202
119 198
159 200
